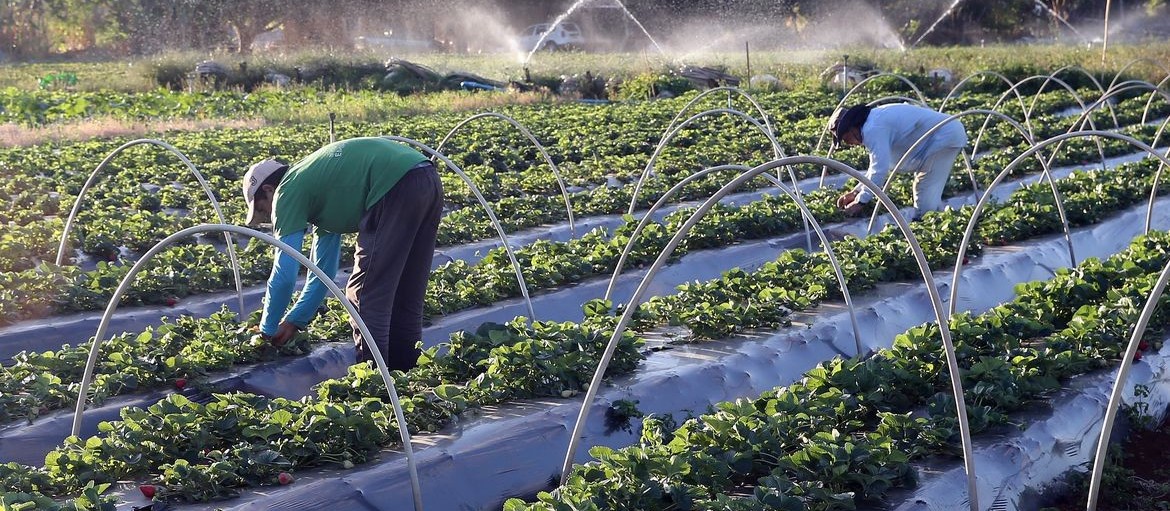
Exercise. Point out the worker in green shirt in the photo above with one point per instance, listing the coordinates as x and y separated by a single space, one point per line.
386 192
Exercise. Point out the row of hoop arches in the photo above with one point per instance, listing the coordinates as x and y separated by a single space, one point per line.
770 171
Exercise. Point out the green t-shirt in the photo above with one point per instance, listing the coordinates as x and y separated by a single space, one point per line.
332 187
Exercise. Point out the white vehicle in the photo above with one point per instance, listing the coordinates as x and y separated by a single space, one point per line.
563 36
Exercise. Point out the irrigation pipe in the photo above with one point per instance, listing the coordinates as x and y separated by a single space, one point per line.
1119 385
93 176
967 235
539 147
112 306
784 189
482 202
923 268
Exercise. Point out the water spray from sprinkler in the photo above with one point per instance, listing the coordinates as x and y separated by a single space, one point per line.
573 8
1061 19
944 16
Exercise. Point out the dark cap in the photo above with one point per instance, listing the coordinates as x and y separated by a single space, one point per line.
845 119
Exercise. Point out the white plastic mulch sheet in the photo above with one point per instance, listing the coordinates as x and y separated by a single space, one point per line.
517 450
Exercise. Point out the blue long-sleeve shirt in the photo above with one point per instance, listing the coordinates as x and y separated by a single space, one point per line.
891 130
326 255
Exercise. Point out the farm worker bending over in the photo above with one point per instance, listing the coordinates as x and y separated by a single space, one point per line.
387 193
887 132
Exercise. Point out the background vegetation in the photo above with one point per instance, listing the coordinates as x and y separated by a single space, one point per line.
38 29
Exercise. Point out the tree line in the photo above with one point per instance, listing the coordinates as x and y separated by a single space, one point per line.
32 29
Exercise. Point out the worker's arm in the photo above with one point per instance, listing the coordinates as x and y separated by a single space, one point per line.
326 254
878 143
281 282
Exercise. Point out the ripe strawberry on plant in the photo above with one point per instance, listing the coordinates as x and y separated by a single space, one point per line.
1137 357
285 478
1143 346
181 383
148 490
171 301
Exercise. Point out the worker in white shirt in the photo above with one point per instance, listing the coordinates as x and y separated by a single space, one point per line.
888 132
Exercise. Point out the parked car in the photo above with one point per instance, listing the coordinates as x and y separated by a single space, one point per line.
564 36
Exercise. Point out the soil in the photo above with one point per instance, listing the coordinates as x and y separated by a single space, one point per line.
1140 483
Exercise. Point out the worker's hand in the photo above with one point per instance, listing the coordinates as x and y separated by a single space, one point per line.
853 209
849 204
846 199
284 333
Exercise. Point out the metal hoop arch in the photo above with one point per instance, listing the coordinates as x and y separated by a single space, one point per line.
1150 101
897 99
917 92
1028 111
112 306
1092 78
1033 150
531 138
670 134
923 267
1134 62
487 208
805 212
93 176
1122 377
730 90
673 131
1126 86
1001 77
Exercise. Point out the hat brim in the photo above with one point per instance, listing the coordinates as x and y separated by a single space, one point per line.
251 219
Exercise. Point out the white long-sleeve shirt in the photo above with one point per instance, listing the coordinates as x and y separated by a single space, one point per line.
890 130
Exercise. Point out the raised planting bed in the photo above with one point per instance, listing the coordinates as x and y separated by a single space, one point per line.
516 449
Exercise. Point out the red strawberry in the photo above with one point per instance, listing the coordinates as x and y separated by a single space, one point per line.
966 260
148 490
171 301
1143 346
1137 357
181 383
285 478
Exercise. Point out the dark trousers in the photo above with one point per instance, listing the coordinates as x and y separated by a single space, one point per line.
392 264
